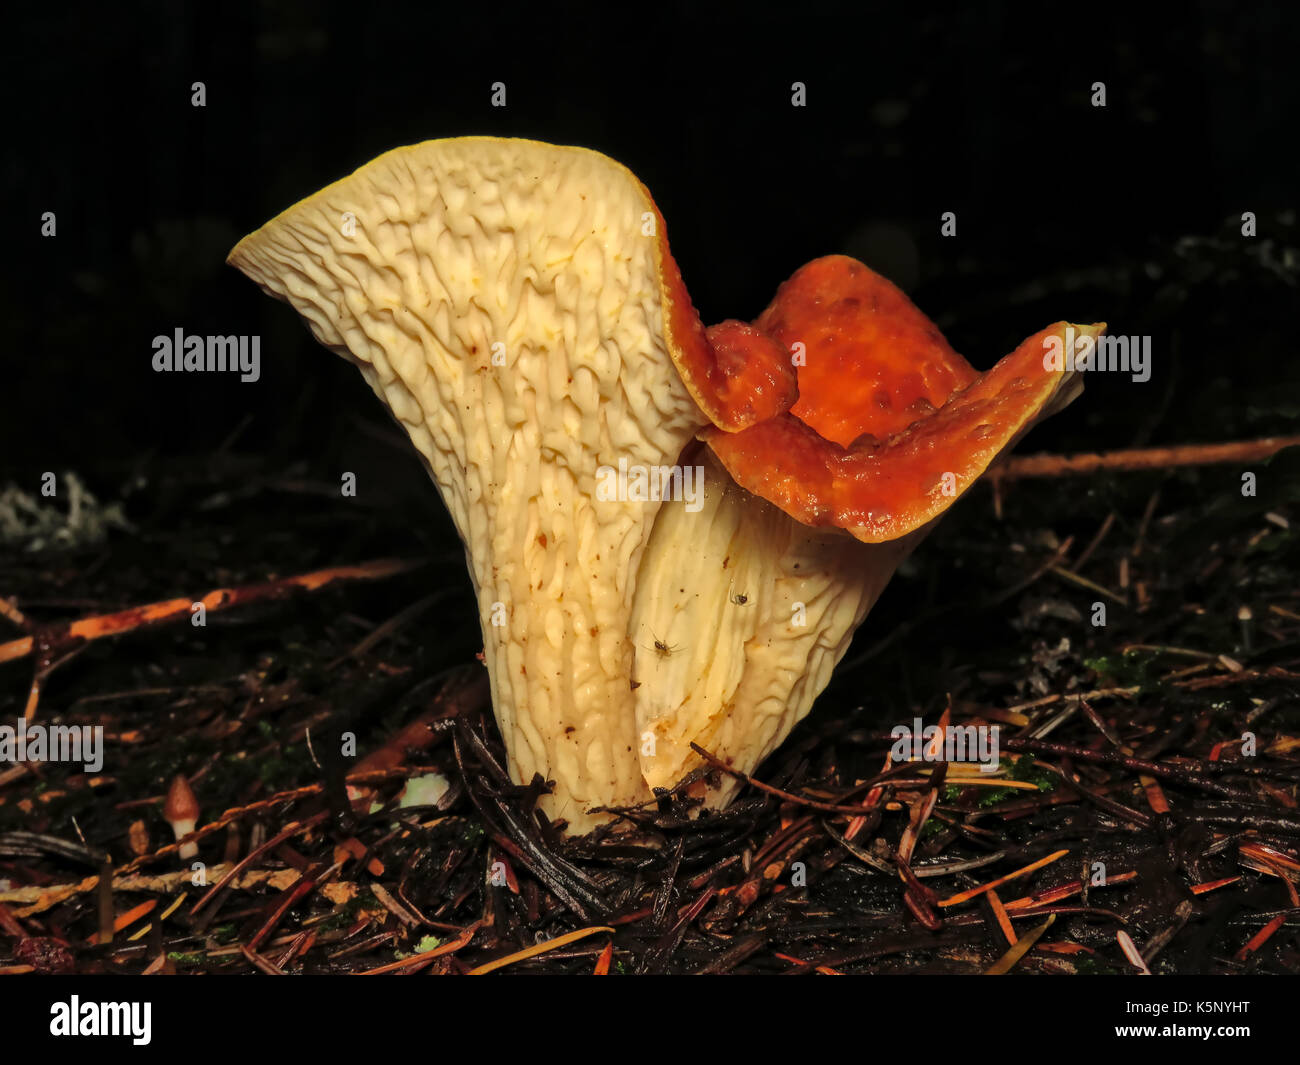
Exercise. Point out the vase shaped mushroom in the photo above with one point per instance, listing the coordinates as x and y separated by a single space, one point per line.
672 532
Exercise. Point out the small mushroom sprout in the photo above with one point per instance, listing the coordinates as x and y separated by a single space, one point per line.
181 810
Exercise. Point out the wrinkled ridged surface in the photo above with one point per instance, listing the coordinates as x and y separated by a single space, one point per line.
740 616
459 245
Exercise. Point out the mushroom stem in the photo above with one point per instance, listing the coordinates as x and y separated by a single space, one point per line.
507 301
758 609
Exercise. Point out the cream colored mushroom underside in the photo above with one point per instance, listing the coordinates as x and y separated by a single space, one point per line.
457 247
419 268
741 613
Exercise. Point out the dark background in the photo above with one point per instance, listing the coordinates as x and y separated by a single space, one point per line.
1128 213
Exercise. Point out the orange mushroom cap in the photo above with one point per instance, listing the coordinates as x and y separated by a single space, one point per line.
180 804
737 374
873 362
891 424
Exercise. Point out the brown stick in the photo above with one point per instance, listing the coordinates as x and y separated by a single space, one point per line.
99 626
1148 458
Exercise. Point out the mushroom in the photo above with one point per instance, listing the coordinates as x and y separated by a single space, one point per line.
516 306
891 426
181 809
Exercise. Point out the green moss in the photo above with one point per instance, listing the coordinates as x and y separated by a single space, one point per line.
1132 669
1091 965
346 914
223 933
427 943
183 958
1023 769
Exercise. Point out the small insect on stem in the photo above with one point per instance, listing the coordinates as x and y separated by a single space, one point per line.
740 600
663 650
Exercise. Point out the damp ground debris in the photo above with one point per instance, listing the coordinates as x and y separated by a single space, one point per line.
1145 811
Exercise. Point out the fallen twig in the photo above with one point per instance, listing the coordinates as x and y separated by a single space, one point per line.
1147 458
54 638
